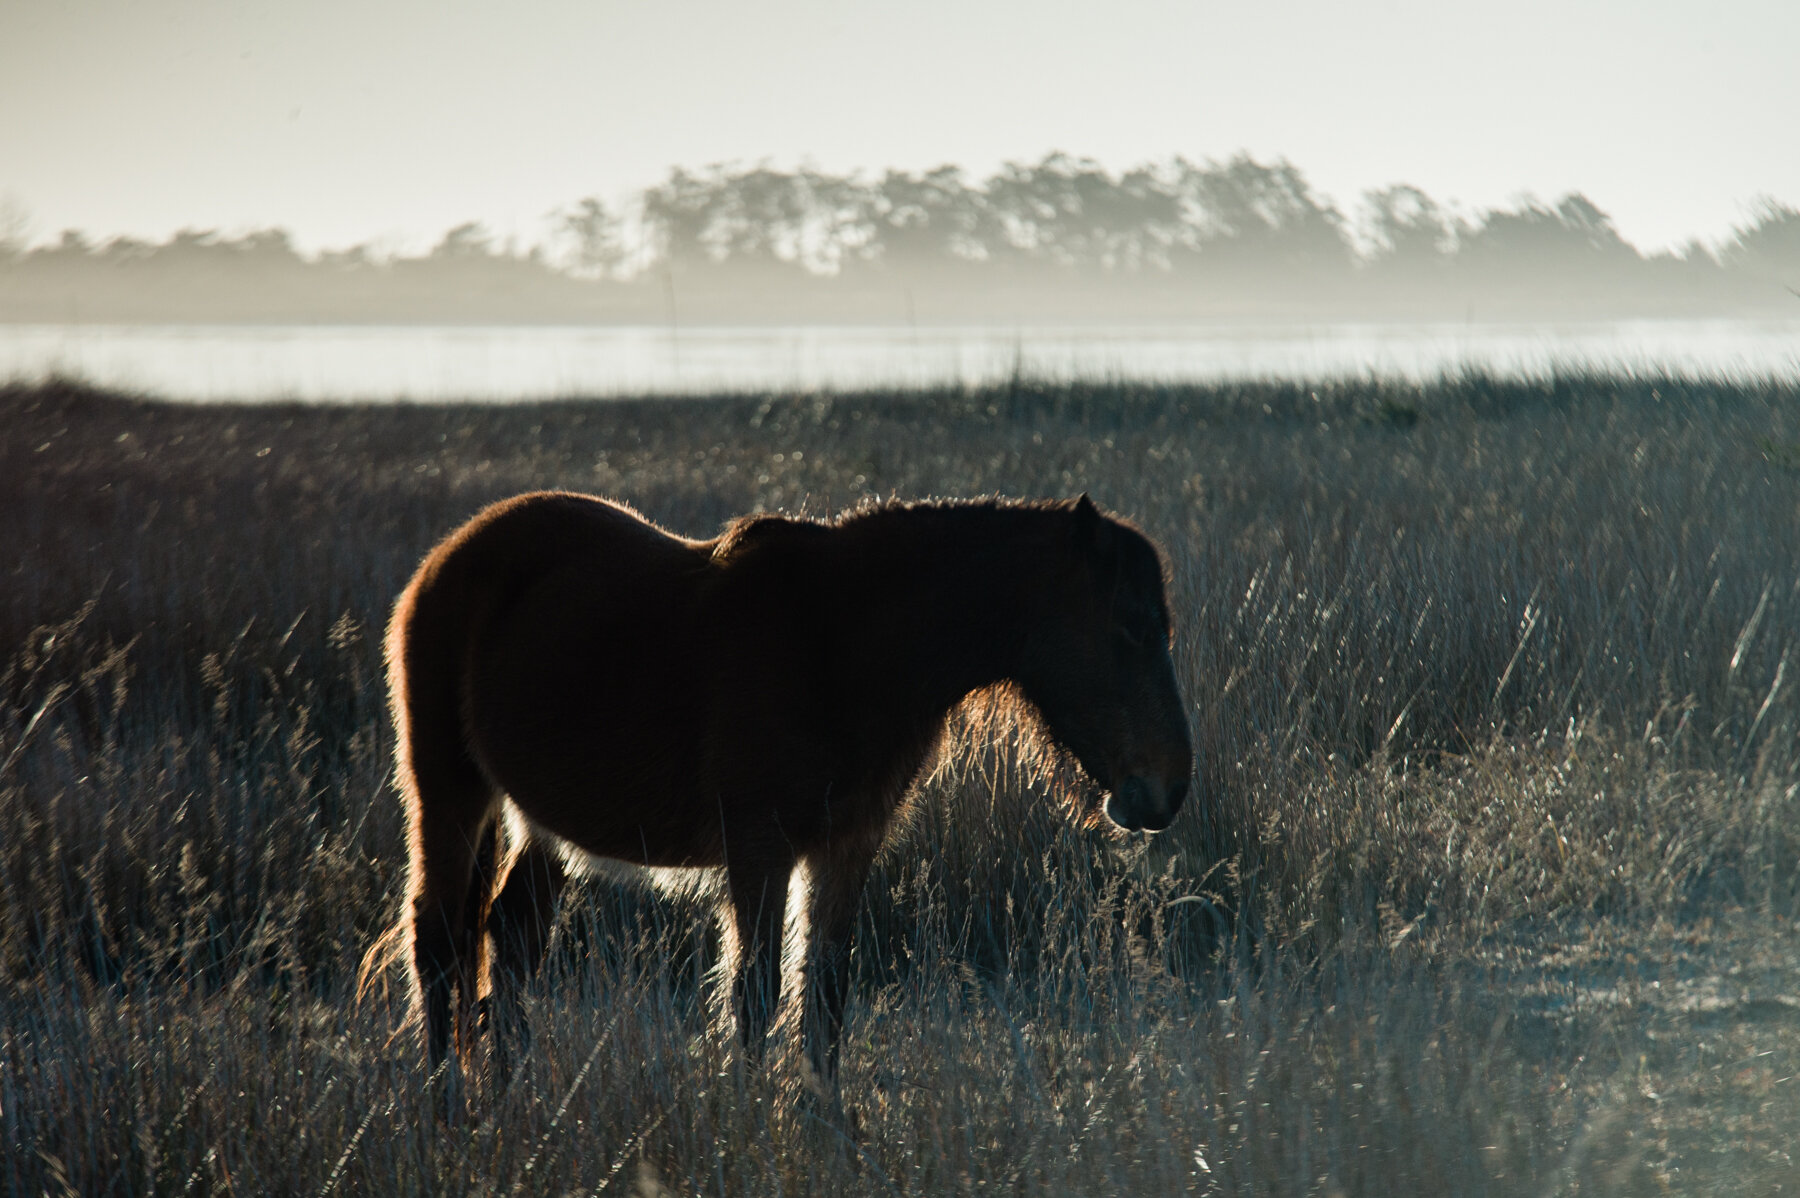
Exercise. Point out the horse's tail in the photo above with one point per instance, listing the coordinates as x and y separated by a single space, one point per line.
453 840
388 948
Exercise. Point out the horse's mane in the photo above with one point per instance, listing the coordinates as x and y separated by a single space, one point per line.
874 510
766 531
754 534
874 513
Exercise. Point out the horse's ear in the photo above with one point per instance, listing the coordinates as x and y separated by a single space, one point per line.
1089 527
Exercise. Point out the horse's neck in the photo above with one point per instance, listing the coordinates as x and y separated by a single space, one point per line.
948 598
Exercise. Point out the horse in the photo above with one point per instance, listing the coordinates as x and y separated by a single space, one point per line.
748 705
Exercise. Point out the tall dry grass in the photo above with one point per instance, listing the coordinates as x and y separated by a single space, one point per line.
1487 886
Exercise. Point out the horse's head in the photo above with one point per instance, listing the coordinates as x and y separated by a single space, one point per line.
1096 666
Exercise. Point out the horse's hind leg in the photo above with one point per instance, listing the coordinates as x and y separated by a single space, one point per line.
454 837
519 925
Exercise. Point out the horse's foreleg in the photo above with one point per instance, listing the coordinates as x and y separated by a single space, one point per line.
757 885
519 923
837 875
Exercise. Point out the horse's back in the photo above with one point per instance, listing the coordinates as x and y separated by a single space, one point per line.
529 533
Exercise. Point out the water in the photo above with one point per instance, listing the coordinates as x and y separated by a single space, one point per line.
349 363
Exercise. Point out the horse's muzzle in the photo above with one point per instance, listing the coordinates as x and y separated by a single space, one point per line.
1145 805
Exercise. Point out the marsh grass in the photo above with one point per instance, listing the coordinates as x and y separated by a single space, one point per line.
1488 885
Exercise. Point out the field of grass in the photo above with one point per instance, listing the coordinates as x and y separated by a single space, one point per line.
1488 886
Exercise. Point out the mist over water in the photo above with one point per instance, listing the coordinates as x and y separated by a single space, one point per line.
756 278
1060 241
363 363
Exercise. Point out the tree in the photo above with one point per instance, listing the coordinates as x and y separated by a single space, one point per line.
593 232
467 240
679 213
1582 219
1573 233
1070 211
1245 214
1404 227
933 218
1770 243
270 247
760 217
15 226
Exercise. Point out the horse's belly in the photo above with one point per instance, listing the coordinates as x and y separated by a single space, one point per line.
591 721
609 791
632 827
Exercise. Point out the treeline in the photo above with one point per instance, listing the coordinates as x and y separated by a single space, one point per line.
1062 238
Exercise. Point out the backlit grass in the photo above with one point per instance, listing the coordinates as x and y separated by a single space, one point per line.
1487 885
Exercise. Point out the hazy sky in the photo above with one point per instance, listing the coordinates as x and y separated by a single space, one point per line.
355 120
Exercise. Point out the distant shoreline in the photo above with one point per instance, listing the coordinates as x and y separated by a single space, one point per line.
1471 315
1058 241
600 304
354 363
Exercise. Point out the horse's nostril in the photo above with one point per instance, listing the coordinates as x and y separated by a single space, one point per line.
1139 805
1178 794
1128 805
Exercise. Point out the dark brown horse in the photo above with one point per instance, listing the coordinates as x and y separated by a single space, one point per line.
747 704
